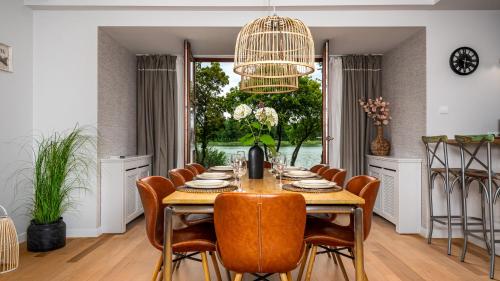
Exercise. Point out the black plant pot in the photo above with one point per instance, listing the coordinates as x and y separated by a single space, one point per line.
255 162
46 237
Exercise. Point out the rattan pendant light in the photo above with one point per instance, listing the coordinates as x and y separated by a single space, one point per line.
9 246
274 47
269 85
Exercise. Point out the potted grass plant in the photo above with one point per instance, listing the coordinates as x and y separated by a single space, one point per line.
61 166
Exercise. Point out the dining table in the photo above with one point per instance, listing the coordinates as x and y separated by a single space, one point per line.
336 202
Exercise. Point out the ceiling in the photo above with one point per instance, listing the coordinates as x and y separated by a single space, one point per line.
263 4
219 41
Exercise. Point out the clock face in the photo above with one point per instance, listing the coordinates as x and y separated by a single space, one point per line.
464 61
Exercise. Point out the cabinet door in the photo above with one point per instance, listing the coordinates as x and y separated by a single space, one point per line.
131 194
389 196
375 172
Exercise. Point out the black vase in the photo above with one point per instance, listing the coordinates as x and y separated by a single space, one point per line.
256 162
46 237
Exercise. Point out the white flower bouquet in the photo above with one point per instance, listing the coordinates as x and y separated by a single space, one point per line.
260 124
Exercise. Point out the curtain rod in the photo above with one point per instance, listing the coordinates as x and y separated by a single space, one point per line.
357 55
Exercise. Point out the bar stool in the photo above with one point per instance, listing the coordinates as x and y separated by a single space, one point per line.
470 145
438 166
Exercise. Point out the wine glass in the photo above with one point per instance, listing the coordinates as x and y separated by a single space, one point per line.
242 154
281 166
241 171
273 158
235 157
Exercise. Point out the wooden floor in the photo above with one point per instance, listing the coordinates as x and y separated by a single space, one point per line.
130 257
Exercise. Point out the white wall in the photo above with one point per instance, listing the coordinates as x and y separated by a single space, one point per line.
16 117
65 69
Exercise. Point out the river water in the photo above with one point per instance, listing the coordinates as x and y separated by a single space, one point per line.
308 155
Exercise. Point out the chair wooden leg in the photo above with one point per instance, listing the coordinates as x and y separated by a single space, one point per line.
283 277
342 267
216 266
159 263
312 256
303 263
289 276
228 275
238 277
204 262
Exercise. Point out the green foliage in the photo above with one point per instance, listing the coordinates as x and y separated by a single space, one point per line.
213 157
207 102
61 166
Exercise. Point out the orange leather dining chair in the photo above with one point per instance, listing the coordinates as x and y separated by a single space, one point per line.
335 175
180 176
267 165
315 168
196 238
322 170
320 232
260 233
198 167
192 169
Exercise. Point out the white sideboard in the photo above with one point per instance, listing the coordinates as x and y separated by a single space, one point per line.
399 196
120 200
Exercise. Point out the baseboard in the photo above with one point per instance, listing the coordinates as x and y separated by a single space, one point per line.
21 237
83 232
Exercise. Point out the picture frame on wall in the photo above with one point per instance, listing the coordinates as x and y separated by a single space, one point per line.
6 58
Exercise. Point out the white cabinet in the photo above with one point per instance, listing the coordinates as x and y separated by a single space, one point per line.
399 196
120 200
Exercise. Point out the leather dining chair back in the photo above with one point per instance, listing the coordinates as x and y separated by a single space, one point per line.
180 176
260 232
192 169
322 170
152 190
198 167
315 168
335 175
365 187
267 165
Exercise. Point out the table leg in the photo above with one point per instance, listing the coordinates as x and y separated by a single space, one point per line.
167 244
358 244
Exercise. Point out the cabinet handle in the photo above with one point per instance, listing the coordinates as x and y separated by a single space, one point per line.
375 166
143 166
390 169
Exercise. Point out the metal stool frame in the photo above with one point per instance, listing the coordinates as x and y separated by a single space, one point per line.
432 145
486 188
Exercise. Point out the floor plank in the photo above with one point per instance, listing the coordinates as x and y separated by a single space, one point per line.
129 256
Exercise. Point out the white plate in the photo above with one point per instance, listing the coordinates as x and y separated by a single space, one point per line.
293 168
299 174
314 184
207 184
222 168
214 176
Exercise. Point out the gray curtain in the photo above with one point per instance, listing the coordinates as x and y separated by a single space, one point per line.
361 80
157 111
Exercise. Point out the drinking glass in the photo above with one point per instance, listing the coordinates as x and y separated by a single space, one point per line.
242 154
281 166
273 158
241 171
234 157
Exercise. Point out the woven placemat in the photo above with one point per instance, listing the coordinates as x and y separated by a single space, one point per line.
184 188
290 187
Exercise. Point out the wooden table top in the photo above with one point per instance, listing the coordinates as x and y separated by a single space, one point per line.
496 141
266 185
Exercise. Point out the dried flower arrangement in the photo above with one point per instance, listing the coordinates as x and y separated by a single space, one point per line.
377 110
